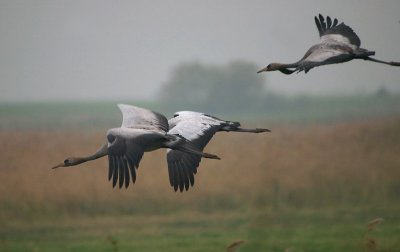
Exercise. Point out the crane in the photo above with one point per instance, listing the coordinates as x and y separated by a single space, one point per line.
185 136
142 130
338 44
198 128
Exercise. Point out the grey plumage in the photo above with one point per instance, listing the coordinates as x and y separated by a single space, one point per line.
142 130
198 128
338 44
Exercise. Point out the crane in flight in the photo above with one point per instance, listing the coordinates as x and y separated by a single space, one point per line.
338 44
198 128
142 130
185 136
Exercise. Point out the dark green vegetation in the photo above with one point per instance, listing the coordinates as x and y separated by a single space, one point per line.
262 229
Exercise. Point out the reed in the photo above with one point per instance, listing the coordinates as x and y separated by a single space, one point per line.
315 166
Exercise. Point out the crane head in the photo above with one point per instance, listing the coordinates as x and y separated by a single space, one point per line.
71 161
266 69
278 67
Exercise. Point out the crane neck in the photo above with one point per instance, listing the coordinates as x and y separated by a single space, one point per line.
98 154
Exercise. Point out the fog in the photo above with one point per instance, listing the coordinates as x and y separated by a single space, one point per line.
110 50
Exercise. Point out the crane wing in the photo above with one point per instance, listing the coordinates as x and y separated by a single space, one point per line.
321 53
324 54
331 31
136 117
122 164
181 168
125 150
197 128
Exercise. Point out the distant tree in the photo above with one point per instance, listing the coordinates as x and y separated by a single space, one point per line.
214 88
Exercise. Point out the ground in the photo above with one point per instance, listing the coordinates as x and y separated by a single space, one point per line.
298 188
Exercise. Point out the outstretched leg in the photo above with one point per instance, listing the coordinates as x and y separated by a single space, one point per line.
391 63
182 144
256 130
235 127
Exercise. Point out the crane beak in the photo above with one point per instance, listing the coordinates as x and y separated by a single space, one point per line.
265 69
57 166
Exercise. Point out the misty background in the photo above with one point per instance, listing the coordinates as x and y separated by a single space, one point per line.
130 50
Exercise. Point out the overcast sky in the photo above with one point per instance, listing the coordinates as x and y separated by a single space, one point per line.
86 50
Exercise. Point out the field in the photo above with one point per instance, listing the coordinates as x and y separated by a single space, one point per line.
298 188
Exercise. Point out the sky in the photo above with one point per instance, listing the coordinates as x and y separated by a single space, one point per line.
52 50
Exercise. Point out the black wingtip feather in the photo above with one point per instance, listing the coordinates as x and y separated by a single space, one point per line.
115 173
322 21
318 24
335 22
132 169
186 174
127 177
170 175
190 170
176 179
181 179
328 22
121 172
110 167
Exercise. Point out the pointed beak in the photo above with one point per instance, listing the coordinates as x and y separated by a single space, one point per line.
263 70
57 166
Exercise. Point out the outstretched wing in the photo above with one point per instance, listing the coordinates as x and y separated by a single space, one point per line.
125 150
331 31
197 128
181 168
140 118
122 166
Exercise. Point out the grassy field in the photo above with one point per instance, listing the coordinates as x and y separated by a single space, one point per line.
299 188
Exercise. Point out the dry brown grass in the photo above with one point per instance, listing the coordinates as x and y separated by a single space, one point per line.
319 165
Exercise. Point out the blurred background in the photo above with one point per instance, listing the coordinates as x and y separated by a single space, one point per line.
329 166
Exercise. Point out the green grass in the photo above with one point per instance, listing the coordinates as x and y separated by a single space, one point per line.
263 229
